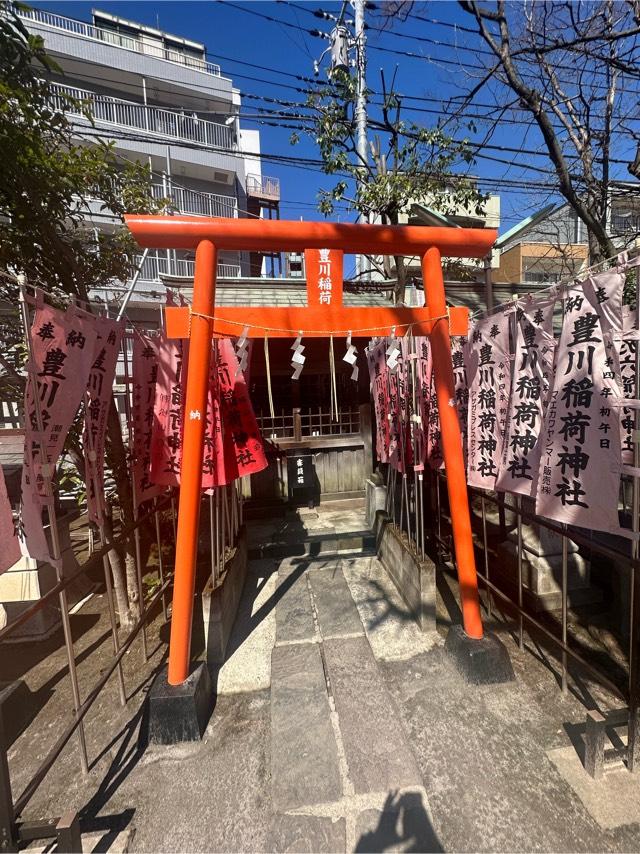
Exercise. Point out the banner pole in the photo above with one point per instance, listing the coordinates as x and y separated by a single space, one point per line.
452 444
201 329
136 497
106 565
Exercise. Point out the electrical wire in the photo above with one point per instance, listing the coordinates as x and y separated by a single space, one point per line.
310 164
389 50
289 161
301 90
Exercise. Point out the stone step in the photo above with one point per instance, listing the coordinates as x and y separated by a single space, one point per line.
336 611
377 750
294 613
315 545
304 754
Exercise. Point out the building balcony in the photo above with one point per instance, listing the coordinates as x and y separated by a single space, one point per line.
152 121
80 29
263 187
187 201
155 267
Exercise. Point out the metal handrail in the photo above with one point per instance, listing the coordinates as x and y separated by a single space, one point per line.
47 763
156 266
102 34
264 186
68 580
152 120
195 202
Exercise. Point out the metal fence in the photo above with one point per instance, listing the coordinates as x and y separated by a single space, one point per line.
225 521
188 127
102 34
14 830
417 505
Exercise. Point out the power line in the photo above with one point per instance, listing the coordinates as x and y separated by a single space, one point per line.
316 165
380 126
304 105
299 77
290 161
394 51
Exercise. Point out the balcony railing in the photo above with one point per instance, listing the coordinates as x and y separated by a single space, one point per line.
88 31
263 187
200 204
155 266
152 120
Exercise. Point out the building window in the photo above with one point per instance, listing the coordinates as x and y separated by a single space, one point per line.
536 277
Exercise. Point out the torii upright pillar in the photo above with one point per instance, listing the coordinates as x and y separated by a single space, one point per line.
203 320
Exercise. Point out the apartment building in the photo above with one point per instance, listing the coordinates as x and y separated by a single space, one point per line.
426 211
163 103
552 244
459 215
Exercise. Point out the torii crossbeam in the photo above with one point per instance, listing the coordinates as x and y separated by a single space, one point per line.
203 321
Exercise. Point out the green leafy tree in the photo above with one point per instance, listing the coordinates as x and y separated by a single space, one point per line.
47 182
408 162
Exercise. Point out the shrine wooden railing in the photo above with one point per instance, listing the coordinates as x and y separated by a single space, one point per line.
306 423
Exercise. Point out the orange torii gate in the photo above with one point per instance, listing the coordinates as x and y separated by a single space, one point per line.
203 320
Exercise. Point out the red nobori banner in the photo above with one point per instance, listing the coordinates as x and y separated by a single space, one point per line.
62 352
144 375
380 394
489 373
232 443
459 358
579 478
98 400
166 435
532 376
62 347
429 406
242 441
10 544
396 403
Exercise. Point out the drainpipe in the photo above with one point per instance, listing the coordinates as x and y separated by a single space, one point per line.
171 253
144 101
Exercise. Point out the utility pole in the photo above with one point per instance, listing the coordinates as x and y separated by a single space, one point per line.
342 42
361 108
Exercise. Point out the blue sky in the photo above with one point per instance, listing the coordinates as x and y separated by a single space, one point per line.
233 36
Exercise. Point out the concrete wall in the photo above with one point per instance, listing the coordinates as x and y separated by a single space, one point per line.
220 606
101 53
510 267
414 578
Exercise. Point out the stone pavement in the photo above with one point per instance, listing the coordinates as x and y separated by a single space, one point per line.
339 726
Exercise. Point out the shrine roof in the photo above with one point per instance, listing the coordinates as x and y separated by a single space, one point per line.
276 292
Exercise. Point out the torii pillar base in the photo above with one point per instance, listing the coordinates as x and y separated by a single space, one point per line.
482 661
180 713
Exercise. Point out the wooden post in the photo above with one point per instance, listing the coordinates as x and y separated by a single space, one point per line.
297 424
365 432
